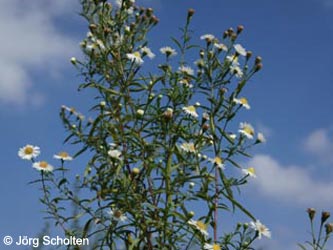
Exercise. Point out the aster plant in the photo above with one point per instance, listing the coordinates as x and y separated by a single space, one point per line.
163 145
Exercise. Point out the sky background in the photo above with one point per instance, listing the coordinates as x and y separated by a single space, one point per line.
291 100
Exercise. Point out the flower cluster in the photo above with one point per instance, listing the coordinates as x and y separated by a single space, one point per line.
30 152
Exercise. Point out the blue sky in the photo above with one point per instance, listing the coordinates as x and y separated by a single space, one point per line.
290 99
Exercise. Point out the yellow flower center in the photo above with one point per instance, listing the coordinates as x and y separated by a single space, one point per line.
243 101
201 225
251 171
191 109
216 247
63 154
248 130
218 160
137 54
28 150
43 164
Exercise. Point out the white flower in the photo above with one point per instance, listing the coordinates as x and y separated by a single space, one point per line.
115 154
29 152
261 138
250 172
218 162
240 50
235 69
199 225
208 246
260 228
246 129
147 51
117 215
168 51
186 70
135 58
188 147
242 101
220 46
233 59
207 37
64 156
191 111
42 166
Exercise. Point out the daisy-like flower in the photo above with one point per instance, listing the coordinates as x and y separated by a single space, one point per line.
261 229
147 51
42 166
191 111
208 246
233 59
199 225
117 215
28 152
240 50
235 69
207 37
64 156
188 147
135 58
168 51
186 70
218 162
242 101
250 172
115 154
261 138
246 129
220 46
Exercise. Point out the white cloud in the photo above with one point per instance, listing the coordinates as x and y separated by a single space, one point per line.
30 41
320 144
292 184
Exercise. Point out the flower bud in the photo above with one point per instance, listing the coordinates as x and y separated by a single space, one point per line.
258 67
102 104
311 212
240 28
149 12
154 20
73 60
324 216
140 112
168 114
92 27
248 54
190 13
205 127
191 214
135 171
258 60
225 34
329 228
